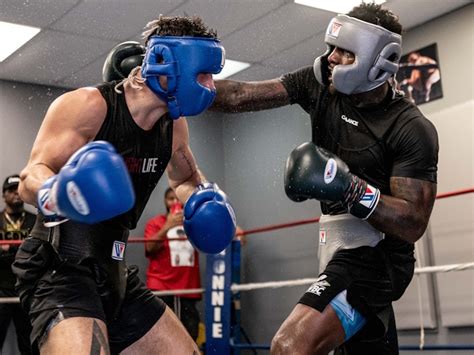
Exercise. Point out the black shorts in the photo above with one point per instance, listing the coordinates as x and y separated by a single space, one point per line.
49 286
373 278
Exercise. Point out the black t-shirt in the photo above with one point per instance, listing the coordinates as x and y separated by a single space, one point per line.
18 230
390 139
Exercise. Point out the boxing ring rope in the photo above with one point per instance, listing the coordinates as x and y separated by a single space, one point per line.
455 193
286 283
223 284
308 281
264 228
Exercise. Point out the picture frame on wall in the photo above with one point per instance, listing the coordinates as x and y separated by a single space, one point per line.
419 75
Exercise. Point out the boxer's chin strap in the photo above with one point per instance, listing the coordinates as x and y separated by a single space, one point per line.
352 320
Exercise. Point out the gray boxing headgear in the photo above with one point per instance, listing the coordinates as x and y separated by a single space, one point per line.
377 53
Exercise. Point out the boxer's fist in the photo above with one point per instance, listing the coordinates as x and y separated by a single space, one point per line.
209 219
312 172
93 186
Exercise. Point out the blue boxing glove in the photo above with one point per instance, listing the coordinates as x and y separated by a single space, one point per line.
209 219
93 186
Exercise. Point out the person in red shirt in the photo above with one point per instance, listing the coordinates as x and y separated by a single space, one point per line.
174 264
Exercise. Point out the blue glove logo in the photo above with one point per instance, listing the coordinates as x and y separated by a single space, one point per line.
76 198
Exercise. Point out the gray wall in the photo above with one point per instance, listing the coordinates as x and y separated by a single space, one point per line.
22 108
246 153
256 147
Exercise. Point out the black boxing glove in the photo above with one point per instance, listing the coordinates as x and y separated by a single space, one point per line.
312 172
122 59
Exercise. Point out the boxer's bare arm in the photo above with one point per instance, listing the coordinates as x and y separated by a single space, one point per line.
240 96
406 213
183 173
72 120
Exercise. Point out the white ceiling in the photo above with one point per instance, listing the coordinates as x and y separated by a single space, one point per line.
274 35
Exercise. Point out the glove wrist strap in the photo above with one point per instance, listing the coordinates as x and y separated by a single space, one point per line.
355 191
367 204
207 185
47 201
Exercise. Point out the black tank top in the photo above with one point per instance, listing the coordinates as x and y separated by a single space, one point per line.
101 247
146 154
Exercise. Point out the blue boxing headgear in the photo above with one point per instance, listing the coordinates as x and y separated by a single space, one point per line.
181 60
377 53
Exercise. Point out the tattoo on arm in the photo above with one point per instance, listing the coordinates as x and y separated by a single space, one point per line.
236 96
182 168
406 213
182 155
99 340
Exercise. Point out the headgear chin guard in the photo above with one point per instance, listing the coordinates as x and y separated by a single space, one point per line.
181 60
377 53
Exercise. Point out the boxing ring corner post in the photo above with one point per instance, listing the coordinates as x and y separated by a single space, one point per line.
221 319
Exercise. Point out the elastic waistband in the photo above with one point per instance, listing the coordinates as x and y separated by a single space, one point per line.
350 230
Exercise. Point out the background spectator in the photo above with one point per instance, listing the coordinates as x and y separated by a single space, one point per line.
174 264
15 224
